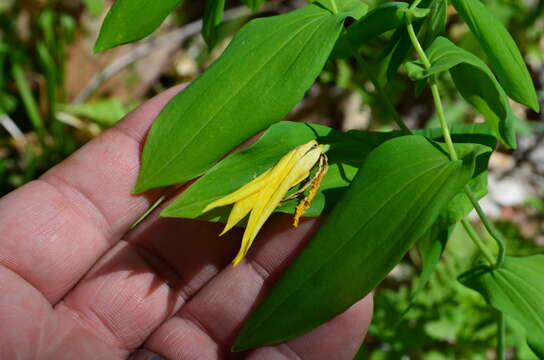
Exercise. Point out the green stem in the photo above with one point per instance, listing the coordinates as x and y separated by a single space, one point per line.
334 7
415 43
28 101
477 241
495 234
434 90
453 155
415 4
390 109
148 212
501 335
442 118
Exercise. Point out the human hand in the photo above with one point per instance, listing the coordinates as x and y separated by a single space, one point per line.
76 284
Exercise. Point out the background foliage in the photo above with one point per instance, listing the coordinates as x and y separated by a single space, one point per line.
55 95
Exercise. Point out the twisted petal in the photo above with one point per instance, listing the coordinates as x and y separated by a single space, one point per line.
239 211
248 189
269 199
261 196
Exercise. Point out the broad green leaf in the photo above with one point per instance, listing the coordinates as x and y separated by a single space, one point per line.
432 244
478 133
346 154
254 5
475 82
383 18
501 50
213 15
393 200
516 289
264 72
131 20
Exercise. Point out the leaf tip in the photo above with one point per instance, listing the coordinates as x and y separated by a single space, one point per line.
240 344
139 187
100 45
166 212
535 105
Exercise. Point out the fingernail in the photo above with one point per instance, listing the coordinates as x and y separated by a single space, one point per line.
144 355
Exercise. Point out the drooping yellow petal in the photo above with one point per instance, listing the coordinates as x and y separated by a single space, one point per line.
304 159
250 188
258 214
261 196
255 185
239 211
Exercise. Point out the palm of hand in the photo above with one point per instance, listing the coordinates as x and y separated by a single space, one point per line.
76 285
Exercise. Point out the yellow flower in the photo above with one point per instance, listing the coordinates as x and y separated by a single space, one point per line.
261 196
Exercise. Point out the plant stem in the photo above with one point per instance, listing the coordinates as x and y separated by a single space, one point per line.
334 7
434 90
501 335
415 4
417 46
148 212
495 234
453 155
442 118
477 241
390 109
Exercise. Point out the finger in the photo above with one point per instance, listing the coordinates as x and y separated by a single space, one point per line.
339 338
61 224
30 328
205 327
139 284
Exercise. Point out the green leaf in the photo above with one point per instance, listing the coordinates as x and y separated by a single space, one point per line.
383 18
264 72
516 289
475 82
477 133
254 5
104 112
346 154
349 8
352 8
435 24
393 201
432 244
399 48
131 20
213 15
501 50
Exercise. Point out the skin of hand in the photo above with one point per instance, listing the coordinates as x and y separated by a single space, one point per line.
75 283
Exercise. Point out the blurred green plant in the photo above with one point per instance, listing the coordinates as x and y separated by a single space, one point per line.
447 321
39 127
33 129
